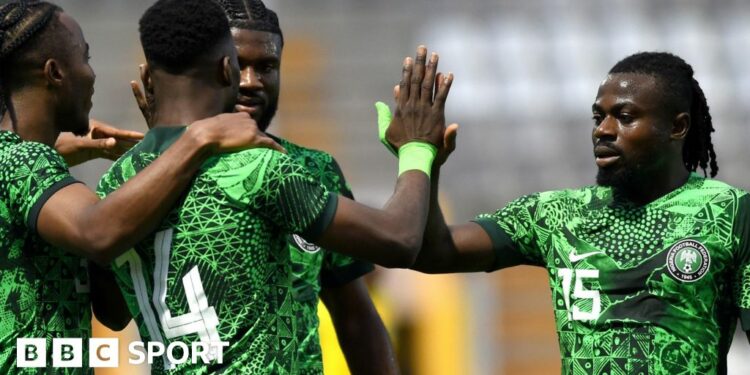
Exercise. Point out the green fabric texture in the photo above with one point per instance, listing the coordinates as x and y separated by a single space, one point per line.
221 258
43 290
654 289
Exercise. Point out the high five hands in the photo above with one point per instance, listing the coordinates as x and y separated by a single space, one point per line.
420 108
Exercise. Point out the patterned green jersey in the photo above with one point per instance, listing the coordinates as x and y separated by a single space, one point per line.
314 267
43 291
218 268
654 289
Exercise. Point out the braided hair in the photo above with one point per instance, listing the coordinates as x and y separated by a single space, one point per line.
251 15
20 21
681 91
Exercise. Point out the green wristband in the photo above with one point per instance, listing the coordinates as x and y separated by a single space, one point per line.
384 120
416 155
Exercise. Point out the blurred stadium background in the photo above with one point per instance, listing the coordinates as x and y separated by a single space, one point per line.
526 75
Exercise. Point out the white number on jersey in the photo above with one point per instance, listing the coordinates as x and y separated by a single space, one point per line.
580 293
201 318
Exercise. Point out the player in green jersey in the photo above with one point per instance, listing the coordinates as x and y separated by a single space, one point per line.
649 269
334 277
219 267
47 85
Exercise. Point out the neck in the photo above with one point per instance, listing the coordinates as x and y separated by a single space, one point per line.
182 100
33 121
647 189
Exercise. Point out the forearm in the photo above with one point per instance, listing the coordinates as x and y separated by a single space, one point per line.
360 331
391 236
435 254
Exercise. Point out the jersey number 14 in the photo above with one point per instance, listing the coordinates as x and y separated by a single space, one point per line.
201 319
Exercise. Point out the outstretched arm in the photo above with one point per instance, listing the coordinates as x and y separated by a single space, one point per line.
76 220
449 249
359 329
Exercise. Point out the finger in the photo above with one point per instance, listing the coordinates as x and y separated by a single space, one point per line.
428 83
439 79
443 90
406 72
418 74
449 139
268 142
396 91
103 130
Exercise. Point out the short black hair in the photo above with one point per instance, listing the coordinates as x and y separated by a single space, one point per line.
176 32
251 15
22 25
681 93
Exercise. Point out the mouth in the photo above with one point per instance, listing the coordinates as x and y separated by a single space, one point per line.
253 106
605 156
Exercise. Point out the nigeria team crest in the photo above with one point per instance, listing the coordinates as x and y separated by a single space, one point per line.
688 260
304 245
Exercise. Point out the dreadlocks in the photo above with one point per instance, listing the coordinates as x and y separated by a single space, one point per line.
682 92
251 15
20 22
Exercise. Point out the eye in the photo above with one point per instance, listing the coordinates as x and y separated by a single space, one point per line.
625 118
267 68
597 119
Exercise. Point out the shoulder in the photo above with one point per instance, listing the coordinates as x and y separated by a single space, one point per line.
313 158
565 197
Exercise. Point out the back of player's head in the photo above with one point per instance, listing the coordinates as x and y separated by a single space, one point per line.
251 15
23 26
681 93
176 33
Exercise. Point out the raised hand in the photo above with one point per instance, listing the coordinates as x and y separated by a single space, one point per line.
420 108
102 141
229 132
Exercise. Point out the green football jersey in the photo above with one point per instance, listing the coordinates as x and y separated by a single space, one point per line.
654 289
43 290
312 266
218 268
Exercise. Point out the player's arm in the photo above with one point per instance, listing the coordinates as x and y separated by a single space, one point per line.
392 236
107 302
456 248
74 218
360 331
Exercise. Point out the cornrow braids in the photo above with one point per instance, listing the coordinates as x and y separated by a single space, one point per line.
682 92
19 21
251 15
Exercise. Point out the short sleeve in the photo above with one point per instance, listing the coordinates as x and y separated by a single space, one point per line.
513 234
279 189
742 279
339 269
32 172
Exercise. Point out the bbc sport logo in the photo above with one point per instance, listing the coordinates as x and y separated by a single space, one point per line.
104 352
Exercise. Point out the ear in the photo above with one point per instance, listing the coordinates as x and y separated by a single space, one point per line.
680 126
226 71
148 84
53 73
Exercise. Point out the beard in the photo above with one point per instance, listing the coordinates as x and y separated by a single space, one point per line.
616 178
268 114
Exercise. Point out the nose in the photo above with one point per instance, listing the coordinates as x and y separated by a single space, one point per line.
249 79
607 129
